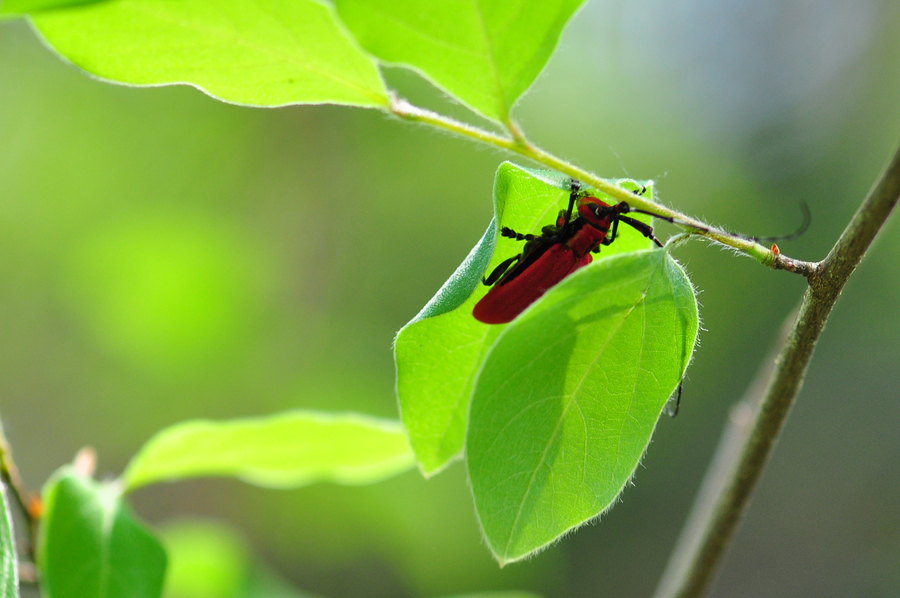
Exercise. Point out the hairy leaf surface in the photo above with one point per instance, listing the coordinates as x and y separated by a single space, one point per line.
9 564
569 395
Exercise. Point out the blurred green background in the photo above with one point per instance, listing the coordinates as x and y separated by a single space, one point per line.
164 256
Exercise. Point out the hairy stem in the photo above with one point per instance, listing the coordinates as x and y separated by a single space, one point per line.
518 143
736 470
10 475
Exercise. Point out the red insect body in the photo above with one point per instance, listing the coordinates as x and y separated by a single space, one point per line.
564 247
546 261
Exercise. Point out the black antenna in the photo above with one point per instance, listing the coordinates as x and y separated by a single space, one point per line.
807 220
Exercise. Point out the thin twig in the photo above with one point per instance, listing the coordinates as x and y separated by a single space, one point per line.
28 573
693 572
734 437
10 474
518 143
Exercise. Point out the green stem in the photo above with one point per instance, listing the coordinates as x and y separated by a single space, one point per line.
10 475
519 144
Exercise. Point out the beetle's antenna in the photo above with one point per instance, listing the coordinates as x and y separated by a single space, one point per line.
804 226
807 220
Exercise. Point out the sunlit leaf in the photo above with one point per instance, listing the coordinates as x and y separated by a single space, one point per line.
9 564
22 7
256 52
439 352
91 546
282 451
486 53
568 397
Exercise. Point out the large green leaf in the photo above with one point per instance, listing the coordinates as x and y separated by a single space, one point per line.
9 564
282 451
91 546
439 352
256 52
567 399
12 8
486 53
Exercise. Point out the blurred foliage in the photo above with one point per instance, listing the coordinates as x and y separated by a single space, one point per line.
303 238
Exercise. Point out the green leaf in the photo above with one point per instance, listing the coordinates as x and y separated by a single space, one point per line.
208 559
256 52
486 53
567 399
439 352
22 7
91 546
9 564
282 451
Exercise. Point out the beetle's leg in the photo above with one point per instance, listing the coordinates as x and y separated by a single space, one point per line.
574 188
500 270
644 229
615 229
673 411
511 234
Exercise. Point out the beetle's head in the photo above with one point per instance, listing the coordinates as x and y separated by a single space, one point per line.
593 209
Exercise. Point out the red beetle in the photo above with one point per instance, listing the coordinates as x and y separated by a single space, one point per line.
548 258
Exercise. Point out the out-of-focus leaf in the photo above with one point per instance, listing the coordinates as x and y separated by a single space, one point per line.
9 564
256 52
209 559
486 53
439 352
206 560
282 451
266 584
91 546
569 395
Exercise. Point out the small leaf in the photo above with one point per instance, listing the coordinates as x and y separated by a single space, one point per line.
439 352
567 399
9 564
256 52
91 546
282 451
486 53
